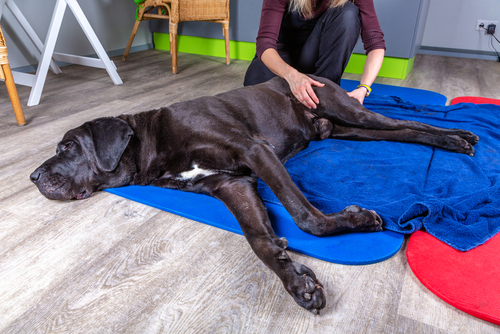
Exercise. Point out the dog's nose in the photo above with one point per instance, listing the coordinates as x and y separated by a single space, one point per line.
35 176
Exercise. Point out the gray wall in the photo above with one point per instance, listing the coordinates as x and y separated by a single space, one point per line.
450 25
244 23
112 21
403 23
399 20
407 25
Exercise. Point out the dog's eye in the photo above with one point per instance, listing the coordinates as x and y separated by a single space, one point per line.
66 146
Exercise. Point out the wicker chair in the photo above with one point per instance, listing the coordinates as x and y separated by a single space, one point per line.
180 11
6 74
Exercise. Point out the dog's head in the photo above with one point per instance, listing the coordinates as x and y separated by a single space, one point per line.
87 159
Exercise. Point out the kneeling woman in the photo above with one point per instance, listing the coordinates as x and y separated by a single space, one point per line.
315 37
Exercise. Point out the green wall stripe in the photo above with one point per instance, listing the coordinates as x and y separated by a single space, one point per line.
206 46
397 68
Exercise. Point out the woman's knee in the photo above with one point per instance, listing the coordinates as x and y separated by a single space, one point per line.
350 18
346 18
257 73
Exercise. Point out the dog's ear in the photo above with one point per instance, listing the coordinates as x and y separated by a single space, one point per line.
109 138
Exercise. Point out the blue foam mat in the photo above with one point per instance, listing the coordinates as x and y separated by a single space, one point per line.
417 96
352 248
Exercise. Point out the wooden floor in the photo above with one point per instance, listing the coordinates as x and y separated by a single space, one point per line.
110 265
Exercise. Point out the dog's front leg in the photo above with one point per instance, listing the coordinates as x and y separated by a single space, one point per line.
240 196
265 163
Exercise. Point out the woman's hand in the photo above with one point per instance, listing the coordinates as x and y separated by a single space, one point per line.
300 84
301 87
359 94
374 60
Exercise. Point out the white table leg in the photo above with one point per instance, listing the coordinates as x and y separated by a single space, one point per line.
37 81
2 3
48 50
96 44
30 32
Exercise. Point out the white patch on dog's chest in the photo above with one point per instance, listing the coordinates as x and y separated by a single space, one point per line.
196 172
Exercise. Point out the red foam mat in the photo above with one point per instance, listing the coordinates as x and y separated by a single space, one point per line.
469 281
475 99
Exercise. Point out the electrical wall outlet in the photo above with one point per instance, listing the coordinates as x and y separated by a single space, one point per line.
485 24
491 29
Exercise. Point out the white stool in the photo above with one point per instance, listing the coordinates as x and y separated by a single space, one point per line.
37 81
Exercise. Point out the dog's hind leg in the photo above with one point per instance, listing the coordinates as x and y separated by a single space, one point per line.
451 143
340 109
240 196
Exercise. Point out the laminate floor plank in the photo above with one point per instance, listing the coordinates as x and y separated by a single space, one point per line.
110 265
437 314
36 263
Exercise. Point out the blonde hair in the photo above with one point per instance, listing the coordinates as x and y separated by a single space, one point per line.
304 7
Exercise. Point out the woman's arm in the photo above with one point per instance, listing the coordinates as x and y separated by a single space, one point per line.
270 22
373 64
374 44
300 84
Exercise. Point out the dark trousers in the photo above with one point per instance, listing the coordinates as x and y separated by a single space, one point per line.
321 46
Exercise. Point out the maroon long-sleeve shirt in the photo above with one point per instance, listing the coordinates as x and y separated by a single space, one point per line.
272 14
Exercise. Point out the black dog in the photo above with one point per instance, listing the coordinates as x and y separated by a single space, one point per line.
218 146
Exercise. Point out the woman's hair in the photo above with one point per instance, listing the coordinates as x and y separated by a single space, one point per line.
304 7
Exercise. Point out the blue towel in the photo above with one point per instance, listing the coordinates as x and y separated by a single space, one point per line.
456 198
414 95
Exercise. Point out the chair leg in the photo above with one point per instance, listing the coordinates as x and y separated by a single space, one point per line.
225 32
173 45
134 32
14 97
131 39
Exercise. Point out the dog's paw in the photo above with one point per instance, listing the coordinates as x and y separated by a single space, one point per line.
468 136
462 145
302 284
362 220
